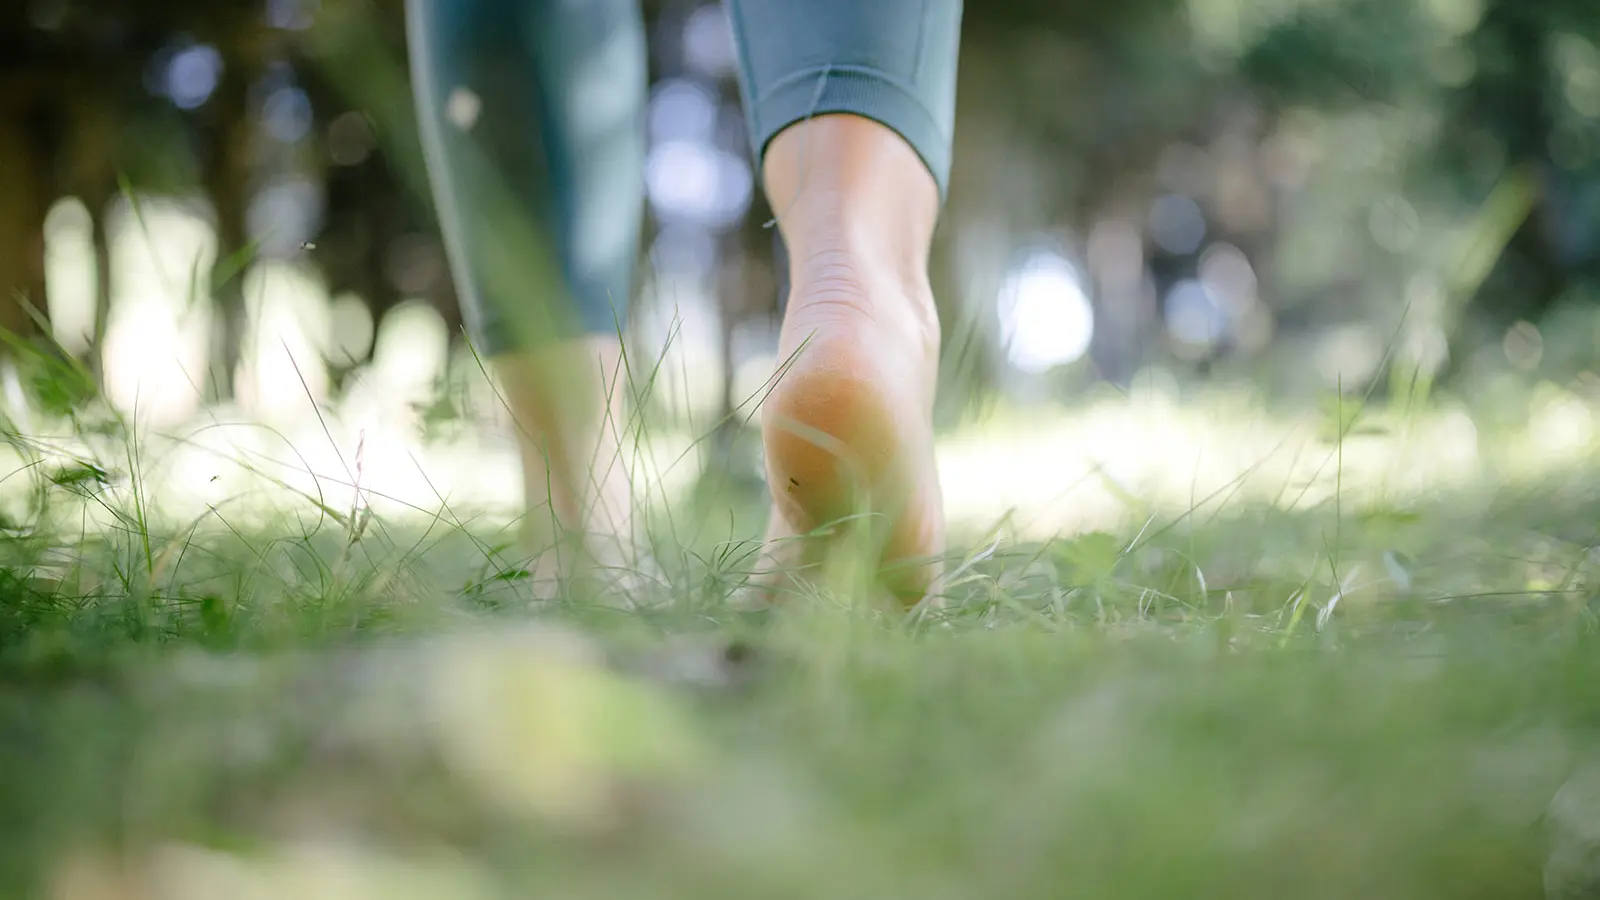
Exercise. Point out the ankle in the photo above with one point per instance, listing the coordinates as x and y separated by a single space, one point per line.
852 198
848 277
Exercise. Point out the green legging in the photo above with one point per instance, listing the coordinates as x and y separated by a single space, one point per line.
532 121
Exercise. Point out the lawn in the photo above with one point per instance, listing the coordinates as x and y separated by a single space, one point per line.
1229 695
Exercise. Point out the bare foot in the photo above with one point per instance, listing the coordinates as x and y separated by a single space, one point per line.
569 405
848 426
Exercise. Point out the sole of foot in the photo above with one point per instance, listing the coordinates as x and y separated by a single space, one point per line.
848 434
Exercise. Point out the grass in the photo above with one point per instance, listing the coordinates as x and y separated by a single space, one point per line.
1309 690
1237 698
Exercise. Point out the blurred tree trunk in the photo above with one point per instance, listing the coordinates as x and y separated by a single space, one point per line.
25 195
100 207
1509 93
227 185
733 291
94 180
732 288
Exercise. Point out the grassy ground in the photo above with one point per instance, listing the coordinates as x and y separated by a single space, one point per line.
1231 700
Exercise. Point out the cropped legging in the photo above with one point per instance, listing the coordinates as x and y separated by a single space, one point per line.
531 114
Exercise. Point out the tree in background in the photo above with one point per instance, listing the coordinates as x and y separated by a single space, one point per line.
1231 181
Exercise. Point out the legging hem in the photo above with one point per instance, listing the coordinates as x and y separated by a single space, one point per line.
857 91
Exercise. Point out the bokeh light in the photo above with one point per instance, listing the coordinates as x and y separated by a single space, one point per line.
1045 316
698 182
192 75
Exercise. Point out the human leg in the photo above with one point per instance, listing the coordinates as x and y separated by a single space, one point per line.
851 108
531 117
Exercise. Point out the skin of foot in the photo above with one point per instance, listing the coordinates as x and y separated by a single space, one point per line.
847 428
569 407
